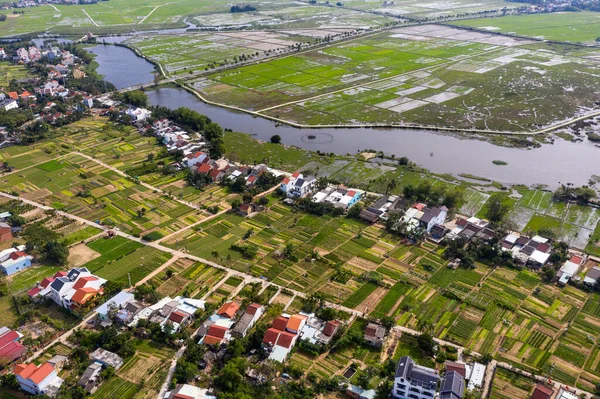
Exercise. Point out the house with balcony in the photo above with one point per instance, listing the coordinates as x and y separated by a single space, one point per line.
412 381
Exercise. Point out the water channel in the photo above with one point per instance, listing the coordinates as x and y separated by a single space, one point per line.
562 161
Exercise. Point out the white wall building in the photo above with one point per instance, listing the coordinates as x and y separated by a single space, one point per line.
412 381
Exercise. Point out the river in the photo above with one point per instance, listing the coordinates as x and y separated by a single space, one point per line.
562 161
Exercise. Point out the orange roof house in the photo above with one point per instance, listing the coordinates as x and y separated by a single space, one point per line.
32 372
229 309
13 95
286 340
82 295
271 336
215 335
295 323
280 323
82 282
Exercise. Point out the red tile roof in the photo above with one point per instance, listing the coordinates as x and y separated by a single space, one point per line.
541 392
5 230
280 323
253 308
81 282
271 336
34 291
37 374
8 338
212 340
12 351
214 173
543 247
251 179
13 94
229 309
204 168
17 255
178 316
286 340
46 282
286 180
351 193
60 274
331 327
296 174
576 259
458 367
217 331
419 206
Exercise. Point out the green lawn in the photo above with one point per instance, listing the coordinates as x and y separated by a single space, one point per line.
564 26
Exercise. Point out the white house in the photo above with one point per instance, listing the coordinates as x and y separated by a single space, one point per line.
569 269
197 157
38 380
88 101
9 104
297 185
412 381
189 392
433 217
138 114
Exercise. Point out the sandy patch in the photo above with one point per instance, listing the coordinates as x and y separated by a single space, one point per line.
80 254
41 193
408 106
368 155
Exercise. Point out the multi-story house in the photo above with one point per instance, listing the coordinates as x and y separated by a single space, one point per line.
412 381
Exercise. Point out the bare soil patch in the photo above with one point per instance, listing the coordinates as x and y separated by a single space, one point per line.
81 254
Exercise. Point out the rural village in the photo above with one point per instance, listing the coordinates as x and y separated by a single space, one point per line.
148 252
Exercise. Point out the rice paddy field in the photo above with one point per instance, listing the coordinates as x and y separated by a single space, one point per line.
294 16
431 75
574 27
120 259
431 8
84 188
106 17
9 72
120 16
182 54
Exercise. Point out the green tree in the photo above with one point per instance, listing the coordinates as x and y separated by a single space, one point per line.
55 252
497 209
276 139
136 98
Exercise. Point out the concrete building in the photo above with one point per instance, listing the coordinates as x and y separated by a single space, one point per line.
297 185
16 262
452 386
91 378
106 358
38 380
412 381
189 392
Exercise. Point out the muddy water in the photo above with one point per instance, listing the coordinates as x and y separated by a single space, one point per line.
441 153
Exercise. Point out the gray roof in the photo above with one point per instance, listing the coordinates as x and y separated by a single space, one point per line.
105 357
594 273
452 386
92 371
242 325
58 283
417 375
380 202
